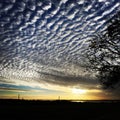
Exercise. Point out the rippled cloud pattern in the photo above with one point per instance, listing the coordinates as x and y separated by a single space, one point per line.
43 40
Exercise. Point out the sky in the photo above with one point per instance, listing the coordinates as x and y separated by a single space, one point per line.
42 43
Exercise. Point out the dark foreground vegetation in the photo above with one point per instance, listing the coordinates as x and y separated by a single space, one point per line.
58 110
103 54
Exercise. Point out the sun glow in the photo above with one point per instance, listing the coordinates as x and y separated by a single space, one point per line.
78 91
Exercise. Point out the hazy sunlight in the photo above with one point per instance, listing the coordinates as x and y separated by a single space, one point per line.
78 91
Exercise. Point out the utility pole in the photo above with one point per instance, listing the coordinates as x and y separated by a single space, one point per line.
58 97
18 96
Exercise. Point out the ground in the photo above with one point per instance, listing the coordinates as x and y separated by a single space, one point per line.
58 110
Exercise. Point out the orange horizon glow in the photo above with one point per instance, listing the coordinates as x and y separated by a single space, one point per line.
73 95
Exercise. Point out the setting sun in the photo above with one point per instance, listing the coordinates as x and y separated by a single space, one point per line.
78 91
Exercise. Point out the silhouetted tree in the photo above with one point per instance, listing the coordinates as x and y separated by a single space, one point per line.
104 54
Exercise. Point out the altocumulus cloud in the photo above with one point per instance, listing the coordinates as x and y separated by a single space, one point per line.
42 41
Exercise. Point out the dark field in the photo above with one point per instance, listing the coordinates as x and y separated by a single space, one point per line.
58 110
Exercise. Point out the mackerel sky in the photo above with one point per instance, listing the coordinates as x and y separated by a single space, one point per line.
42 44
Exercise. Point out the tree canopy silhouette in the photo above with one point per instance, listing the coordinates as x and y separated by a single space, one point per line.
104 54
